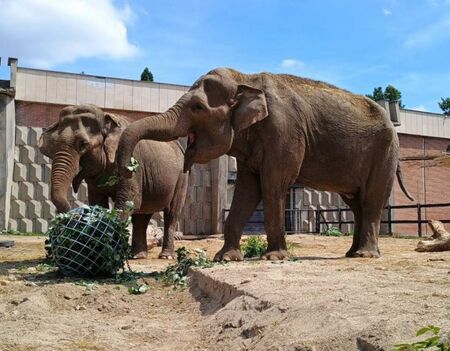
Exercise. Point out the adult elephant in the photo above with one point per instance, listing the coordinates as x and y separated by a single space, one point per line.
83 145
282 129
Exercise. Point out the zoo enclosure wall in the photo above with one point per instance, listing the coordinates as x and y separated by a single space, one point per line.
39 96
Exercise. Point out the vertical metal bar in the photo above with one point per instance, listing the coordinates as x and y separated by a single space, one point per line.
419 220
317 221
340 218
389 209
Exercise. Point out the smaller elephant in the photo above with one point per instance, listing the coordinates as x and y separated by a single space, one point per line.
83 144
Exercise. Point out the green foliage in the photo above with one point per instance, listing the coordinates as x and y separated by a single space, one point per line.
106 181
88 285
146 75
377 94
133 165
89 240
445 106
332 231
112 180
176 274
437 341
390 94
254 246
393 94
16 232
138 289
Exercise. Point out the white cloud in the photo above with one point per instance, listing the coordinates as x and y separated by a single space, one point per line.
45 33
386 12
292 64
420 108
432 34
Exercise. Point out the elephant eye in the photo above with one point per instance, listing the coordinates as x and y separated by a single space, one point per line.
197 107
83 145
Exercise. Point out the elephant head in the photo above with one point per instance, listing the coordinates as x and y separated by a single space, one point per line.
218 106
83 136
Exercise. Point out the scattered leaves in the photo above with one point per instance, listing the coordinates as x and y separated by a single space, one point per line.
133 165
138 289
176 274
437 341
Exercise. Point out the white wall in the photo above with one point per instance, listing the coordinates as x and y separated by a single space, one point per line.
69 88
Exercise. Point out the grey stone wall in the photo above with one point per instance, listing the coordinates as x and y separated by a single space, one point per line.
31 208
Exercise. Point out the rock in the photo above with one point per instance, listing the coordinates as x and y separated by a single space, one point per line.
126 327
80 308
3 283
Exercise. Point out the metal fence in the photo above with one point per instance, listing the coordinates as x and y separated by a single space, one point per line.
313 221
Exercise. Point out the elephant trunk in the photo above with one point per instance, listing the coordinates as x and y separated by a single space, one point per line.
166 126
64 169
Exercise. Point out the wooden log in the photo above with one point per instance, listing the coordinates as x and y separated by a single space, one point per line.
440 239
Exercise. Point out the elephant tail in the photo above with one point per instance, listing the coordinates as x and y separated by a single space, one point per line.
402 186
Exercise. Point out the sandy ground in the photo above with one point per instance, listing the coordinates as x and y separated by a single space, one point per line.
320 301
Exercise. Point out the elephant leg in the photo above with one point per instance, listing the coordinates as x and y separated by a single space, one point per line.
171 216
247 195
274 198
373 199
139 238
355 205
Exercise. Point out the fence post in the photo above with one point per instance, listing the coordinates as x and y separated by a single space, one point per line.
318 221
419 220
389 219
340 219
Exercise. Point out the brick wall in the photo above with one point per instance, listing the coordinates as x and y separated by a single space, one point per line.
37 114
427 184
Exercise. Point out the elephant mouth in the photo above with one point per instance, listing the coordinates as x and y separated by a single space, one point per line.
191 150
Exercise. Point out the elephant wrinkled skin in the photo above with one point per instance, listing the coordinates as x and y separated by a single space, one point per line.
282 129
83 144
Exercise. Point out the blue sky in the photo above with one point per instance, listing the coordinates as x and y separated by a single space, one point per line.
354 44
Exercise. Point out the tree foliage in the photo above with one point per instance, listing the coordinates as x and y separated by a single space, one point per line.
146 75
390 93
445 106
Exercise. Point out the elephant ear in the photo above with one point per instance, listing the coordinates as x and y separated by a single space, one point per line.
112 131
250 107
44 142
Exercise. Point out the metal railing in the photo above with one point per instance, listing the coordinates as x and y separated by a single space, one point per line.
295 218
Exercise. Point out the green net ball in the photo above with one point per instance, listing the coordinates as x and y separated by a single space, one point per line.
88 241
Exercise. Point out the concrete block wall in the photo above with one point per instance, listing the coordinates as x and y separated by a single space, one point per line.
31 208
196 216
313 200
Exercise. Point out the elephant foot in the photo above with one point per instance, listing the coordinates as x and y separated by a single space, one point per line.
167 255
275 255
139 255
363 253
229 255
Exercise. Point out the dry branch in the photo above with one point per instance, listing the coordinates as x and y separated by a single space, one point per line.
437 160
440 239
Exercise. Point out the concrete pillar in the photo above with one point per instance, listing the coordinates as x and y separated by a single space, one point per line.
219 175
7 138
7 143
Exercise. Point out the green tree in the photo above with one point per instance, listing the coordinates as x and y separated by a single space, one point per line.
393 94
146 75
377 94
390 94
445 106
